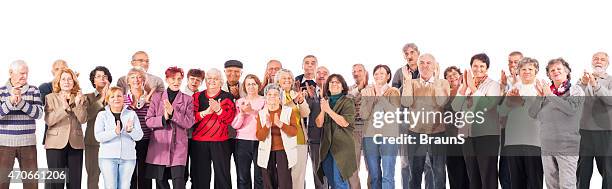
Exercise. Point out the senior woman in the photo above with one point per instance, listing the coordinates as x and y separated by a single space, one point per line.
480 94
380 158
214 111
117 129
65 112
522 145
295 100
169 117
558 108
276 132
137 98
245 124
336 118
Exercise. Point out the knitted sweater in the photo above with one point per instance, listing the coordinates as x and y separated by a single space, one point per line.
17 121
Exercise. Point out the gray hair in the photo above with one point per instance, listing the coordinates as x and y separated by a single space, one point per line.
281 72
15 65
273 86
528 60
428 55
410 46
215 71
563 63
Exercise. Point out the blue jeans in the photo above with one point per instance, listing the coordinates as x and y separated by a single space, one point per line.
380 161
117 173
418 154
332 172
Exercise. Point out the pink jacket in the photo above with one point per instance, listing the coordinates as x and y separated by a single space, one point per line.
168 146
246 124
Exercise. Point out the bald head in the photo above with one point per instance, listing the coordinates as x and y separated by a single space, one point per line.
57 66
322 74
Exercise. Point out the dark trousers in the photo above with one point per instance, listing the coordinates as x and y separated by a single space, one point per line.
245 156
205 153
175 175
313 150
525 166
69 158
455 165
595 145
188 160
481 161
504 171
417 155
277 174
26 156
139 181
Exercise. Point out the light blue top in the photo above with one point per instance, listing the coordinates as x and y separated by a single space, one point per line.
113 145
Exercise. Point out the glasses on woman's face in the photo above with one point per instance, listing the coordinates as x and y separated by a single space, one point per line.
101 77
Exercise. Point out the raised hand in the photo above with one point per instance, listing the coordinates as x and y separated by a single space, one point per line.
586 78
129 126
310 90
214 105
117 127
79 99
168 109
504 78
325 106
277 121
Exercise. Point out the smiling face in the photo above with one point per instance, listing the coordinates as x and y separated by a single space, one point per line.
513 62
273 97
426 67
528 73
479 68
174 82
116 99
600 62
135 80
252 88
335 86
19 76
285 81
141 59
58 66
381 76
66 82
213 81
359 73
557 73
273 67
233 74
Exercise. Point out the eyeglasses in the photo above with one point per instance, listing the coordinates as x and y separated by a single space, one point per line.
141 60
101 77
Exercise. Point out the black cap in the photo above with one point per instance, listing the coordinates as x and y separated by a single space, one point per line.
233 63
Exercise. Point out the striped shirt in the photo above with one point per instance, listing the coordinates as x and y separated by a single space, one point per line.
141 113
18 121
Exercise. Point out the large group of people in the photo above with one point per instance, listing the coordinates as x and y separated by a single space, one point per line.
146 129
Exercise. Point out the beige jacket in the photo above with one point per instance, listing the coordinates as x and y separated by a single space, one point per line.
64 124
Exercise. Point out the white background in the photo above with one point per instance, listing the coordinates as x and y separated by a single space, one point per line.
194 34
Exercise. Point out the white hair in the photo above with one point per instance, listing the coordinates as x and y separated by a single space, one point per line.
15 65
215 71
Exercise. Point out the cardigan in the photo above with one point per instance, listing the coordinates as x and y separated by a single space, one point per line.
339 140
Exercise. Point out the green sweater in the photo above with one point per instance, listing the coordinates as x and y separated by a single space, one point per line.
339 140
